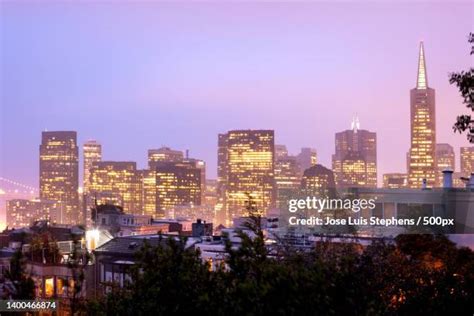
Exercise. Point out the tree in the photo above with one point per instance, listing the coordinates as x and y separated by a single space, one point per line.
77 263
21 280
464 80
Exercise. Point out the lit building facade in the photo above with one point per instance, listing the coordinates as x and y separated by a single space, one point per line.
170 184
355 161
395 180
246 166
164 154
117 182
287 176
422 155
287 173
59 172
92 152
467 160
318 181
307 158
445 159
23 212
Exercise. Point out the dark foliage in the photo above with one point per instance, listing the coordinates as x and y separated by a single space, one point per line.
464 80
416 274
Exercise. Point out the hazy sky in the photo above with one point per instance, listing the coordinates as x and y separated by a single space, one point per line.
138 76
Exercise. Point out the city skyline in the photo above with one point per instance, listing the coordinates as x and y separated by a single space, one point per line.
133 126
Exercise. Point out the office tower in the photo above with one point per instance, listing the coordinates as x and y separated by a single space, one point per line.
444 160
210 195
201 165
355 161
395 180
117 182
287 173
287 178
92 152
281 151
457 181
221 215
164 154
171 184
307 158
246 166
467 160
318 181
423 130
59 173
23 212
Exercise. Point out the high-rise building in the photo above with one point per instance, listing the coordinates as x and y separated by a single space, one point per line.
59 173
92 152
164 154
467 160
172 180
445 159
287 177
395 180
117 182
307 158
23 212
318 181
246 167
422 154
171 184
355 161
287 173
281 151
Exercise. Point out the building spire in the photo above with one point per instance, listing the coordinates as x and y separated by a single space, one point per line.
422 78
355 125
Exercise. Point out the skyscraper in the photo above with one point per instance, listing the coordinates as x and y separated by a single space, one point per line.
318 181
422 156
171 184
117 182
164 154
246 166
355 161
467 160
307 158
172 180
59 173
92 152
287 176
445 159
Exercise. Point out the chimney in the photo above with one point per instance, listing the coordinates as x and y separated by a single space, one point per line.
470 183
423 185
447 179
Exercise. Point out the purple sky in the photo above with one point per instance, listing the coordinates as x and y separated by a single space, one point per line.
138 76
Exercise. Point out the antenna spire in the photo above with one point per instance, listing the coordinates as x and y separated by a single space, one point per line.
422 78
355 125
